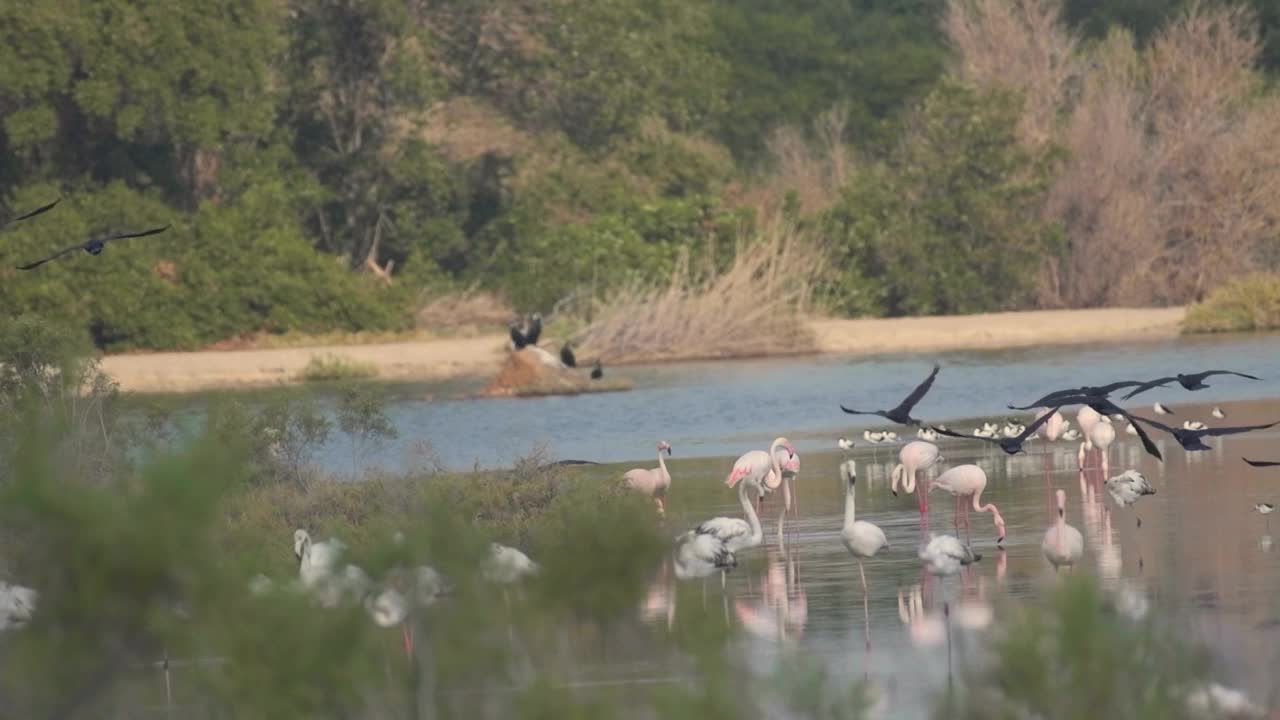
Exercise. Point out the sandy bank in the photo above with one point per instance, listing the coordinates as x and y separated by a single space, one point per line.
995 330
447 358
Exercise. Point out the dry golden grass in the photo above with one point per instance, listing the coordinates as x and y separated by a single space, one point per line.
470 309
1250 303
815 171
1172 181
752 308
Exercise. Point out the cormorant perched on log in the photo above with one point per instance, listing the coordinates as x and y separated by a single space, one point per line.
567 357
518 339
597 371
534 329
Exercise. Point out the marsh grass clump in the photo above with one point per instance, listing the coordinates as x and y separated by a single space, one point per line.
1073 657
754 306
328 367
1250 303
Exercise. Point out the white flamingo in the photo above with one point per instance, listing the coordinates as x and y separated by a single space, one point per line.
945 555
861 538
1086 418
697 556
507 565
17 605
789 462
1054 426
1128 487
970 480
1062 544
317 563
736 534
654 482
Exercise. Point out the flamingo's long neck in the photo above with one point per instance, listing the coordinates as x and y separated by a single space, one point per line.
666 476
896 479
749 510
850 508
989 507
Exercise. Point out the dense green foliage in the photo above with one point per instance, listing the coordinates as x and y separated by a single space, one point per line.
301 150
1250 303
948 223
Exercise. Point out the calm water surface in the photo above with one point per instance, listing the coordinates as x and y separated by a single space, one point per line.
1202 561
726 408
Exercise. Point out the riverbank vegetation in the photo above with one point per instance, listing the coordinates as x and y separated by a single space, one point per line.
347 168
1250 303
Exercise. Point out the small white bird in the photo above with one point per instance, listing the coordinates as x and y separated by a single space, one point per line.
927 434
1071 435
875 438
890 436
945 555
1062 544
1160 409
1193 425
985 432
1217 412
17 605
1128 487
844 444
1012 429
1265 509
1216 701
1131 429
506 565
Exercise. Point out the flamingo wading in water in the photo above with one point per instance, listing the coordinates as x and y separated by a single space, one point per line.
654 482
914 457
735 534
861 538
971 480
761 468
1062 544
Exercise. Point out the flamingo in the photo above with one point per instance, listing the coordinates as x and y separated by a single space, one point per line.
698 555
760 468
914 456
1086 418
1062 544
1054 426
971 480
789 461
1128 487
736 534
507 565
861 538
1101 435
316 565
17 604
945 555
389 609
652 482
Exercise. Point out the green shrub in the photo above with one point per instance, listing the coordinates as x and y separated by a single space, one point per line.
329 367
1250 303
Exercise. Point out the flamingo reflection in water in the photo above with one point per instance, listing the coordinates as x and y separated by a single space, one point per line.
782 612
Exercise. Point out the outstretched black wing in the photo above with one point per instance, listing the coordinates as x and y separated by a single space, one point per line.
93 241
916 395
1215 431
33 213
1262 463
1030 430
1161 382
851 411
963 436
1200 376
1101 391
54 256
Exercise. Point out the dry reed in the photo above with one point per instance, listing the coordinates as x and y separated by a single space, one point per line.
462 310
814 170
754 307
1172 183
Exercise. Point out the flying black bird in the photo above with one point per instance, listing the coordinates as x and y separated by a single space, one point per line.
597 371
1193 381
902 413
534 329
1262 463
93 246
1194 439
1100 391
1011 445
1106 407
33 213
566 356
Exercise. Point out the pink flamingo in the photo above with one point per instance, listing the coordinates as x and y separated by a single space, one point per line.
789 461
653 482
1086 419
971 480
1062 544
915 456
1101 435
759 467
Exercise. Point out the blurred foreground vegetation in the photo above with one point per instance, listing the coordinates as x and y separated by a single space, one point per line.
335 166
143 546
